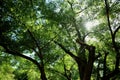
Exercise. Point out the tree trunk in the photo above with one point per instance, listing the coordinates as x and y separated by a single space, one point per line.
42 71
81 69
89 66
85 69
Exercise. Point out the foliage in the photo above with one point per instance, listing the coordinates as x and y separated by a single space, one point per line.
59 39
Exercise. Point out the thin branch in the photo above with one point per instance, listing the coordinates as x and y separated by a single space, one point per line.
74 21
77 30
104 62
72 66
67 51
116 30
33 39
86 35
71 5
51 40
43 75
108 18
65 70
69 35
56 71
37 45
76 58
68 76
82 10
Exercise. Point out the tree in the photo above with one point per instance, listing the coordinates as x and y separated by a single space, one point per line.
44 32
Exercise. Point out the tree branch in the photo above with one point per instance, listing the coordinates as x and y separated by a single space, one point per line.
67 51
16 53
110 75
88 47
37 45
74 21
50 41
115 71
82 10
77 59
58 72
71 5
116 30
34 39
108 18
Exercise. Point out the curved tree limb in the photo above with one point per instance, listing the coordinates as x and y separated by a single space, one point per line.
16 53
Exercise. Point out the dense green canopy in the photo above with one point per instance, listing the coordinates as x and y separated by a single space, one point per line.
59 39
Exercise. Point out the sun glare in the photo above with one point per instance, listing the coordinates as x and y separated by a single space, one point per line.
90 24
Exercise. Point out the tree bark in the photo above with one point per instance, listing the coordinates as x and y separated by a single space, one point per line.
85 68
89 65
81 69
42 71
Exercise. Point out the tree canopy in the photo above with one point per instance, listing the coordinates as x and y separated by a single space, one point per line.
60 39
